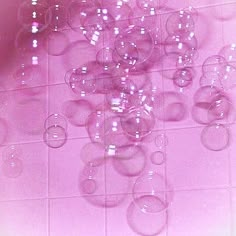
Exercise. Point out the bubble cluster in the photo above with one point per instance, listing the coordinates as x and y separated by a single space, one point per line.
116 99
12 166
55 131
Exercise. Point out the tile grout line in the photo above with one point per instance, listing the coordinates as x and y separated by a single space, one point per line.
48 158
229 161
105 166
128 194
164 123
199 126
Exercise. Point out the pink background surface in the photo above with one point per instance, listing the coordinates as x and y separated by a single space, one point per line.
45 200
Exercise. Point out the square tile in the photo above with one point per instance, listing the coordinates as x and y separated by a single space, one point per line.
68 169
24 115
29 180
190 165
24 218
75 216
228 19
232 151
233 210
205 213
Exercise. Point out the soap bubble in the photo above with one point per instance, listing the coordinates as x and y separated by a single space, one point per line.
215 137
12 167
161 141
138 123
32 16
158 157
180 22
154 185
77 111
150 4
56 43
129 160
134 45
145 223
55 134
229 52
183 78
88 186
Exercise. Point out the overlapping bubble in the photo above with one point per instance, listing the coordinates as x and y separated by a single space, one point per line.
118 101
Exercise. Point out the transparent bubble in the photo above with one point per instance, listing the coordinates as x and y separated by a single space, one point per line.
118 101
147 19
104 58
55 136
12 167
89 170
158 157
119 10
55 133
82 80
215 137
113 132
228 79
131 82
169 106
129 160
100 190
161 141
32 16
143 223
220 108
88 186
94 124
55 120
56 43
125 52
103 82
11 152
58 17
200 112
77 111
154 185
28 42
210 79
150 4
134 44
95 25
93 154
180 22
28 75
181 44
127 83
229 53
205 94
138 123
78 10
183 78
214 64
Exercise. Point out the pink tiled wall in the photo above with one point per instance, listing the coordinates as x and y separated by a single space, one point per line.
45 199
